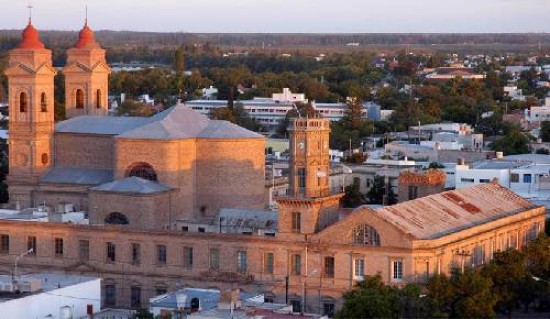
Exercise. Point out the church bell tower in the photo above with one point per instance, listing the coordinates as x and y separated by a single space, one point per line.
309 205
86 77
31 107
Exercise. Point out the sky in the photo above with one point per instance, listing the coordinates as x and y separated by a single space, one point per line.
283 16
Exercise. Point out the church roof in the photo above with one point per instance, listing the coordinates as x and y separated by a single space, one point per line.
441 214
134 185
180 122
30 38
86 38
177 122
77 175
107 125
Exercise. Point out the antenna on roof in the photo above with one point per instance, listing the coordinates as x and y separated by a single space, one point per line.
86 21
30 13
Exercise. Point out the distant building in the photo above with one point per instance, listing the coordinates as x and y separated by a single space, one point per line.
417 184
48 295
270 111
444 74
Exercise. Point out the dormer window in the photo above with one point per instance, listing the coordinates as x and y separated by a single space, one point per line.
366 235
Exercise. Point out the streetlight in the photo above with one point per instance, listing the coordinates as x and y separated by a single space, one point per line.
14 275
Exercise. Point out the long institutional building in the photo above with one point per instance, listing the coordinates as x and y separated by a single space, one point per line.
177 200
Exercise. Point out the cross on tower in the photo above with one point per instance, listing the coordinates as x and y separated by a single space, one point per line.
30 13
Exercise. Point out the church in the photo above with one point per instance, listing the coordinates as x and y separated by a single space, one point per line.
137 176
145 172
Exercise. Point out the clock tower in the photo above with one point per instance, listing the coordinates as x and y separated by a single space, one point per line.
31 95
310 204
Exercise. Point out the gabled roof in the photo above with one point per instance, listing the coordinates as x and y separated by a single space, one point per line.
133 185
77 175
441 214
180 122
177 122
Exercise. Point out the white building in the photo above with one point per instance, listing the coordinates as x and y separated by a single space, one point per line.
525 174
210 93
49 296
269 111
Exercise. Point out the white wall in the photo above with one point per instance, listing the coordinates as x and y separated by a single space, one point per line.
463 174
51 302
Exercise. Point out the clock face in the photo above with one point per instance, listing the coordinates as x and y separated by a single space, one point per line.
301 145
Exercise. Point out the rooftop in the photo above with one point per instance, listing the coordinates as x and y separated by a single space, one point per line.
177 122
441 214
40 283
134 185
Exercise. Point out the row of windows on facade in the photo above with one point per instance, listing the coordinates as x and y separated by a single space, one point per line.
514 178
162 255
24 101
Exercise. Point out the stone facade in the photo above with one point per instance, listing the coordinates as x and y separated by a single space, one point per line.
207 164
326 268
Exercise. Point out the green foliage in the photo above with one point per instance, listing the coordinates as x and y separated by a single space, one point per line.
352 197
378 191
237 115
371 298
134 108
515 142
545 131
473 296
143 314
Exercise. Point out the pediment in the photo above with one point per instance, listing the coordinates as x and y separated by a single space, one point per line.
76 67
19 69
46 69
342 232
101 67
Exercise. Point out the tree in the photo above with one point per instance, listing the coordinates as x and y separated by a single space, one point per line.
352 197
237 115
134 108
545 131
515 142
474 295
379 190
370 298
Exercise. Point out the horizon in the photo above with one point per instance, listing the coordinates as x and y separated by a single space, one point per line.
286 17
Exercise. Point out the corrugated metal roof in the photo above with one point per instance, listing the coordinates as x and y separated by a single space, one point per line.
448 212
135 185
77 175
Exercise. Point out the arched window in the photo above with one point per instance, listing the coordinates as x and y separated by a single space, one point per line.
142 170
98 99
79 99
116 218
365 235
23 102
43 102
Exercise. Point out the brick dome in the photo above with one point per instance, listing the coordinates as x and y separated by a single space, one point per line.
86 38
30 38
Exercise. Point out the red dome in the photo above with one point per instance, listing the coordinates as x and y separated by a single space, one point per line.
31 38
86 38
